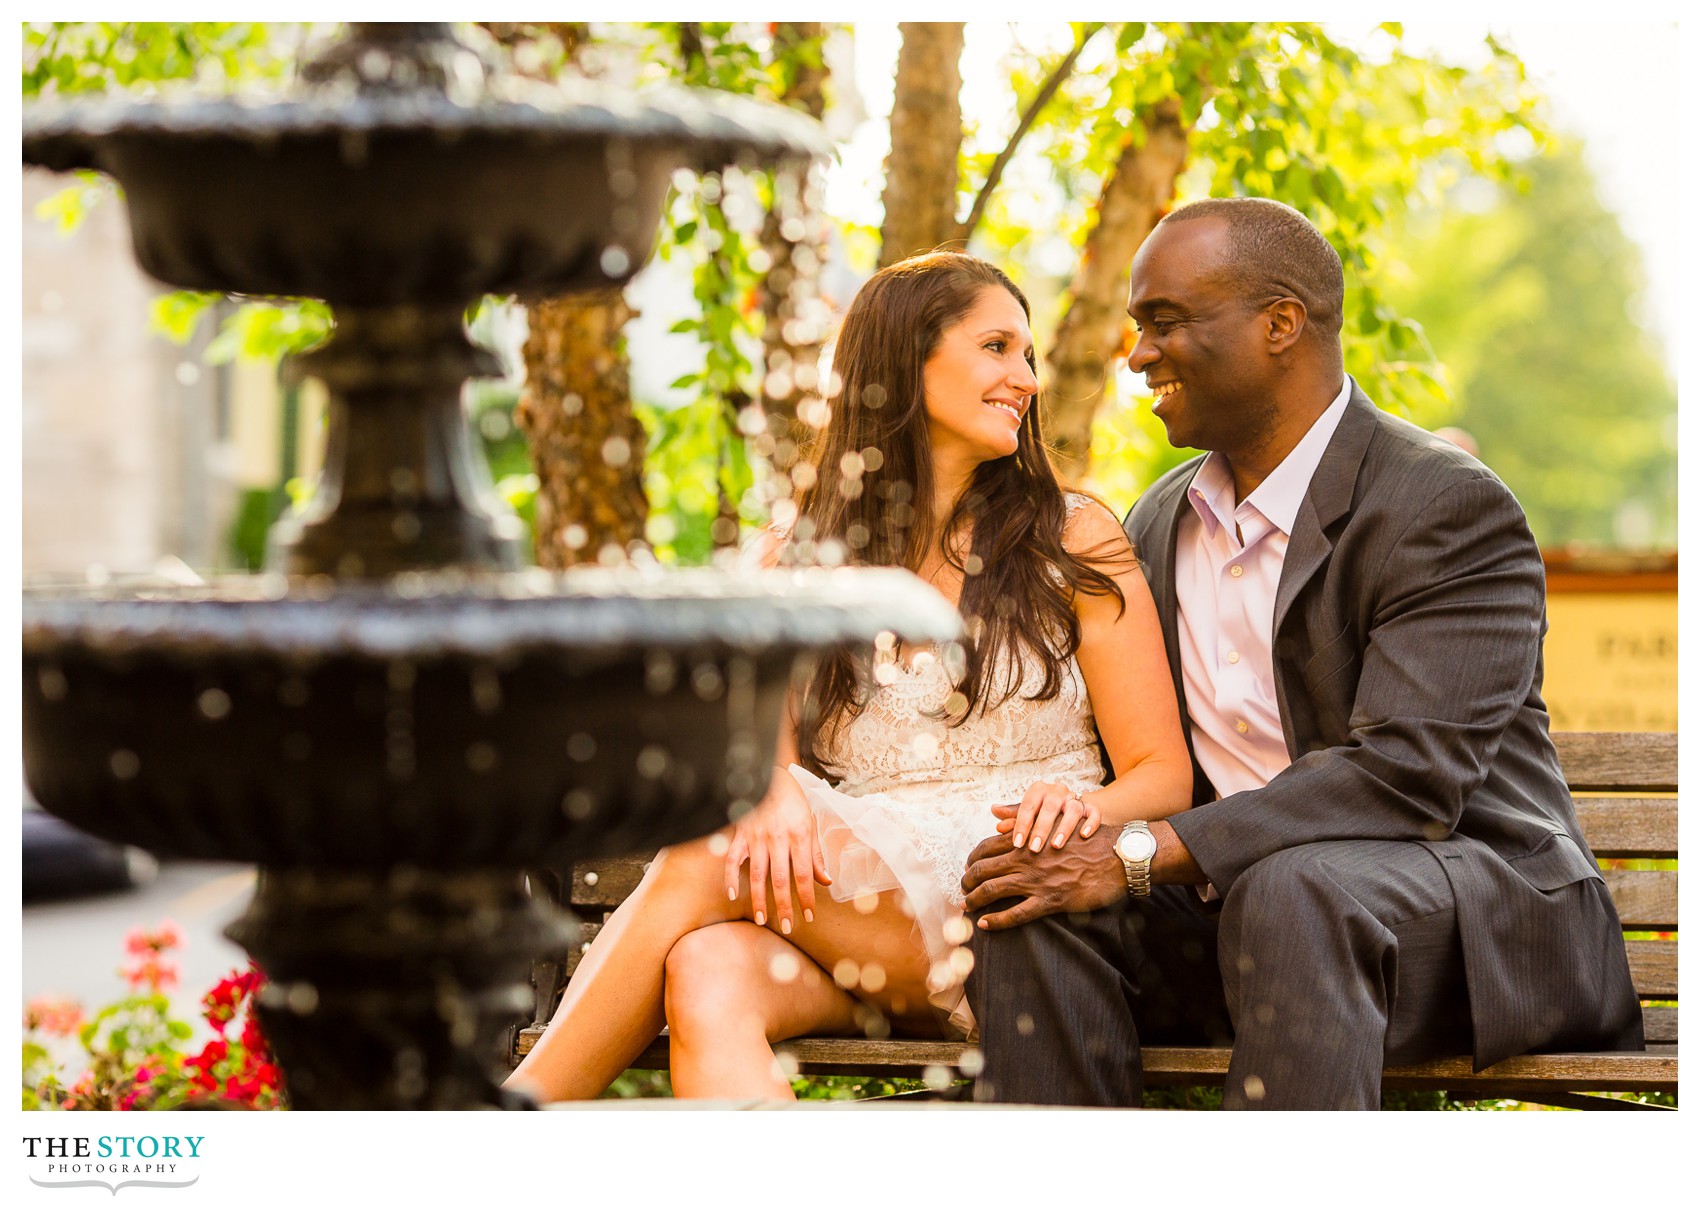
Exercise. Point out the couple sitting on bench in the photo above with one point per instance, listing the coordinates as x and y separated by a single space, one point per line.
1333 830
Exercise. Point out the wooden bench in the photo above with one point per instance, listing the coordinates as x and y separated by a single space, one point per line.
1623 784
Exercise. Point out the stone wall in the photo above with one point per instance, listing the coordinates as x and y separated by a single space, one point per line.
122 460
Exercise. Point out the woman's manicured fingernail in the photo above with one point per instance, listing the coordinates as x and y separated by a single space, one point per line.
785 925
808 915
1057 841
1018 841
1038 844
761 918
731 894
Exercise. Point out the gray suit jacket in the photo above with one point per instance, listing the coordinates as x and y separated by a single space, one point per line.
1407 654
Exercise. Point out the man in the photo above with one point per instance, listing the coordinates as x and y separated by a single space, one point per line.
1382 864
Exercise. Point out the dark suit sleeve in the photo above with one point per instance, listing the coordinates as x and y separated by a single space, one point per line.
1454 637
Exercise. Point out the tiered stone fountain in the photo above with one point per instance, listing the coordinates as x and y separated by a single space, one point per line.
396 717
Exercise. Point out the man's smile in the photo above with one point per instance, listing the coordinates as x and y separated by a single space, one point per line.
1162 391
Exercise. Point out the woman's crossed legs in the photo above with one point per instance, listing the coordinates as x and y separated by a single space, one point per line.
680 952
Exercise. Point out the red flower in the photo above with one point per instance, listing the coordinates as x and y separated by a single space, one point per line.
254 1038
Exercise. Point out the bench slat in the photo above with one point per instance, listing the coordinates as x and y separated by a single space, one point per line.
1652 966
1646 900
604 883
1658 1023
1171 1066
1628 827
1618 761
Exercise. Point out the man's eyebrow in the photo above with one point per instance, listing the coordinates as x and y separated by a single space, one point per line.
1151 305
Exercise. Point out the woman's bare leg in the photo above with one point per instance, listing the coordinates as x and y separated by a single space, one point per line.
732 990
735 989
612 1007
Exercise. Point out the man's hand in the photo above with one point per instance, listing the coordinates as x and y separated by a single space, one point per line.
1080 877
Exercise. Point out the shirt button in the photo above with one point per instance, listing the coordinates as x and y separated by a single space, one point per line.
1241 727
1237 571
1233 658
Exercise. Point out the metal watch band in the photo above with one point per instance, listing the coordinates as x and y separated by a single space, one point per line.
1138 874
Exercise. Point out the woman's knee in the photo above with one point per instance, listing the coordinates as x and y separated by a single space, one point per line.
713 978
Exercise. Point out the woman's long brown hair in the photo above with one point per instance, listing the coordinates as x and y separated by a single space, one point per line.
871 499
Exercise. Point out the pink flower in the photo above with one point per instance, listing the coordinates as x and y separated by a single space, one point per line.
164 937
55 1016
153 971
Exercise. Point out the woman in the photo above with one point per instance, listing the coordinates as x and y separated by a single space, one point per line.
932 460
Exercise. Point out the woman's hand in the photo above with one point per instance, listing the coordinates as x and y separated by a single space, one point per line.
1048 812
779 841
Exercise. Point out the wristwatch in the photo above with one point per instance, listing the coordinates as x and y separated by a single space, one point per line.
1136 848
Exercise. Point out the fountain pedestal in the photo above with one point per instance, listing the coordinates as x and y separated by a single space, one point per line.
392 722
397 990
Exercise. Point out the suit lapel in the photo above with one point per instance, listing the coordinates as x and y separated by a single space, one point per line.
1328 498
1160 575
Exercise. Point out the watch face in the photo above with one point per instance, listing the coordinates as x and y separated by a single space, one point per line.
1136 847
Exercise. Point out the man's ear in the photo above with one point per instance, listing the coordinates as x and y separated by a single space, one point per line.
1286 318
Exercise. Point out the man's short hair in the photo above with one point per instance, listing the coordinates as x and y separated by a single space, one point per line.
1274 251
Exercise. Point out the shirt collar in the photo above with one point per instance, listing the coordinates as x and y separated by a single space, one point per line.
1278 498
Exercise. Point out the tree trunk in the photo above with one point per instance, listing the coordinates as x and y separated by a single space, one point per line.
793 235
586 445
1134 196
926 137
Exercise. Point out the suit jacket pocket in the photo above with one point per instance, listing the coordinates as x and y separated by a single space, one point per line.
1553 864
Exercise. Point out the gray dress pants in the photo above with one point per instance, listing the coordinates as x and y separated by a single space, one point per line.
1323 963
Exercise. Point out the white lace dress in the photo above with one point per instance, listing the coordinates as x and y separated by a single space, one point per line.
913 797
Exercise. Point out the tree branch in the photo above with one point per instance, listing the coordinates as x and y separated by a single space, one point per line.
1029 116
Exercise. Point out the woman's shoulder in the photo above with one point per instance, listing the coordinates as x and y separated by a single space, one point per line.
1088 525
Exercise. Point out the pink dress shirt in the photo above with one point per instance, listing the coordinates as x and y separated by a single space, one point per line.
1228 561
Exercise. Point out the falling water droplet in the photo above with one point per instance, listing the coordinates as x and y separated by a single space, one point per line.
615 261
784 967
707 681
406 526
301 997
52 682
486 690
578 805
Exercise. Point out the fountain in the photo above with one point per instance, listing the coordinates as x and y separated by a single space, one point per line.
396 718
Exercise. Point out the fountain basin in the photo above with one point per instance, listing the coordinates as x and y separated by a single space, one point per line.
515 188
442 722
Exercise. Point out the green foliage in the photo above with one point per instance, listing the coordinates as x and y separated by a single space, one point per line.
64 58
256 510
1352 139
694 455
657 1083
1530 295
